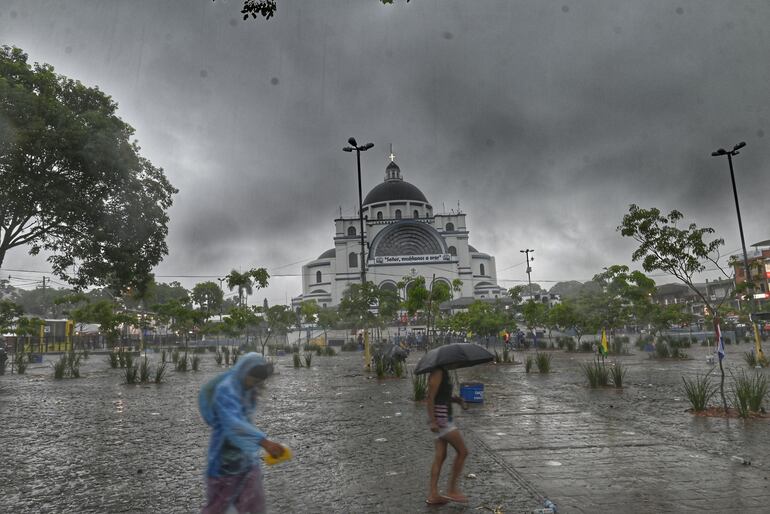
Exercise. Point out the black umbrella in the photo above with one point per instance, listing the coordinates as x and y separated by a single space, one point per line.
455 355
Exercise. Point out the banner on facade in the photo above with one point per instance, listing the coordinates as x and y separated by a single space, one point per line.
411 259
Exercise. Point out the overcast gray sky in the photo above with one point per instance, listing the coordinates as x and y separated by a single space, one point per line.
544 119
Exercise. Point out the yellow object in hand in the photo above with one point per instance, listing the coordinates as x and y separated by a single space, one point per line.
270 460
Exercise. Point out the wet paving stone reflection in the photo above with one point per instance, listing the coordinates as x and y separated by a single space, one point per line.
360 444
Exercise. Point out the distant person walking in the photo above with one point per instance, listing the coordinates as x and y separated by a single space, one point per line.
227 402
440 401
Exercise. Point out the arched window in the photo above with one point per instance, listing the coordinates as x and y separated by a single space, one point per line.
317 277
379 215
481 269
351 231
398 214
452 251
416 214
353 260
449 227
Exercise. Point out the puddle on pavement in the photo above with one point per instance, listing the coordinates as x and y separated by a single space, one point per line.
552 463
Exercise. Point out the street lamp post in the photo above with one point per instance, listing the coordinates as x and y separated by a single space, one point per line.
223 297
529 269
358 149
730 154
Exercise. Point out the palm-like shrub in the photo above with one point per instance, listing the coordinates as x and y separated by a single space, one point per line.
543 361
419 386
596 373
749 391
699 391
617 373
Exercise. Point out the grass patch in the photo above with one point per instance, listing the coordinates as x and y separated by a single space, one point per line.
380 367
182 362
144 370
528 363
297 360
543 361
131 374
596 374
218 357
196 362
419 386
160 372
699 391
21 360
749 391
662 350
308 359
617 374
398 368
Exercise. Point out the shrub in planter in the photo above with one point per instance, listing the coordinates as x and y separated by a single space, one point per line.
419 386
543 361
699 391
596 373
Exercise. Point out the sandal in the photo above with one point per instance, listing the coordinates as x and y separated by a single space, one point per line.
441 500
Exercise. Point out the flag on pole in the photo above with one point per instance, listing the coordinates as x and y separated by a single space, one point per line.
720 344
603 349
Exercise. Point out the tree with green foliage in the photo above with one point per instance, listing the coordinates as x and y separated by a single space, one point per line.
255 278
515 293
327 319
483 319
535 315
277 320
104 312
680 252
180 317
208 296
9 311
73 181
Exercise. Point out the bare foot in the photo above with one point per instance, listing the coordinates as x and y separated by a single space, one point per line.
437 500
457 497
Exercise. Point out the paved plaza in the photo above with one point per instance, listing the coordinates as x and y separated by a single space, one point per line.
360 444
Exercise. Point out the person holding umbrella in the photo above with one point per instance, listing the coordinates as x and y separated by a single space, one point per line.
440 401
438 362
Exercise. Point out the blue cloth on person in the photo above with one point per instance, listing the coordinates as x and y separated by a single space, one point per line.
227 406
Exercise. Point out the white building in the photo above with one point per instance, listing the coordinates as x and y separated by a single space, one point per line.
405 239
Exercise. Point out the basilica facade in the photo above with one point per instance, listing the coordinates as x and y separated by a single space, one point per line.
405 239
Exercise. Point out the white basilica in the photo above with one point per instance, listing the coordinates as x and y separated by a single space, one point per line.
404 239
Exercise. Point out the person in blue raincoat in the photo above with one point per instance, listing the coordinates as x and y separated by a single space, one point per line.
227 402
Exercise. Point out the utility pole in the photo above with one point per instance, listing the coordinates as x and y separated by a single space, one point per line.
529 270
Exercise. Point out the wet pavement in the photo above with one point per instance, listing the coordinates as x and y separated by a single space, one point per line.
95 444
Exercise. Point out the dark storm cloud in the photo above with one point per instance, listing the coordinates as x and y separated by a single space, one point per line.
545 120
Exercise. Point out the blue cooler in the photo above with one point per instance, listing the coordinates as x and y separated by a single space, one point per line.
472 392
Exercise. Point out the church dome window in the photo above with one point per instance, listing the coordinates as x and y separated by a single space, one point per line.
353 260
481 269
398 214
449 227
318 277
351 231
452 251
379 215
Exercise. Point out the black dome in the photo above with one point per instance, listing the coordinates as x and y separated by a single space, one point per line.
392 190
